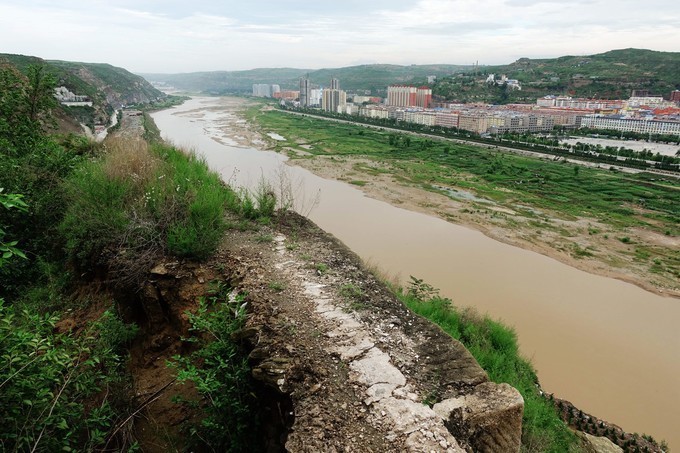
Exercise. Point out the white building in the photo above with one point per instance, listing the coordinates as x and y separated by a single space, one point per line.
374 111
315 97
618 123
262 90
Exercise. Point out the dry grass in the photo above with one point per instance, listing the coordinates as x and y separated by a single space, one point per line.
392 280
130 159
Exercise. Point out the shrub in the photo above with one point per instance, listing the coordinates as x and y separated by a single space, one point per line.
137 203
219 370
49 380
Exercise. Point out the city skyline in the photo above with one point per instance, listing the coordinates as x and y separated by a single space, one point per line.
205 35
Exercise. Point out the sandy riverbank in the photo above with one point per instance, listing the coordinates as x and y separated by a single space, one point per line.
583 243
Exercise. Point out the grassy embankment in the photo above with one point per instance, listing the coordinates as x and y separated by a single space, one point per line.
495 347
544 195
78 220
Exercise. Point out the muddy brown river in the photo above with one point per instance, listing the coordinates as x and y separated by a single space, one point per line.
607 346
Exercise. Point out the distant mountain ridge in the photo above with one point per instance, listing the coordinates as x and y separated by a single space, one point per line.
374 77
109 87
609 75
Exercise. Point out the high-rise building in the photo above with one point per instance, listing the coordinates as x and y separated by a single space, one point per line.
262 90
305 92
335 84
333 99
675 96
275 89
401 95
409 96
315 97
423 97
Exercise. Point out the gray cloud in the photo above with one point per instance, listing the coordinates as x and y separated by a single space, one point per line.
181 36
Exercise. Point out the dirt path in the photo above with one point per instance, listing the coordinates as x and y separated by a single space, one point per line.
358 366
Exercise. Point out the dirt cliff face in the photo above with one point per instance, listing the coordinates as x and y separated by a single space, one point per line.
361 370
343 365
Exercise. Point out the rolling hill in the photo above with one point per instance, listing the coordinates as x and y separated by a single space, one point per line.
374 77
109 87
610 75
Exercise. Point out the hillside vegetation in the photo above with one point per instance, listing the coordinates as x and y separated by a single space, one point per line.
81 225
373 77
109 87
610 75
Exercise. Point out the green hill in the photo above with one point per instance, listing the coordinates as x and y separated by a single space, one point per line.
109 87
374 77
610 75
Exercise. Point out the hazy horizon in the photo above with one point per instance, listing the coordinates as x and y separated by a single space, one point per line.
206 35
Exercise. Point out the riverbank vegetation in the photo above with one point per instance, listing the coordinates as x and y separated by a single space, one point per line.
495 348
546 425
544 196
81 225
534 143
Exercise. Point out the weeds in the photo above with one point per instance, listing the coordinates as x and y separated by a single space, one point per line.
353 295
277 286
138 203
219 370
49 376
264 238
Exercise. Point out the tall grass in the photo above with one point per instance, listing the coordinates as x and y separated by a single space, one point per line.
138 202
494 346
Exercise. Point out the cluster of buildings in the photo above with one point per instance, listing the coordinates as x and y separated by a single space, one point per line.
66 97
642 112
512 84
264 90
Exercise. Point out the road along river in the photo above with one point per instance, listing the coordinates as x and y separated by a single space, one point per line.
607 346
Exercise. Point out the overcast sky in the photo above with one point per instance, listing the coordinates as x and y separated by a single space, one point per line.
207 35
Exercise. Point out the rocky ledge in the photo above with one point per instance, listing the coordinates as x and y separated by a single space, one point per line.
363 373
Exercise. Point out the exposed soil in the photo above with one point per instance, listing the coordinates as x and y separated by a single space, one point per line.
344 366
328 333
583 243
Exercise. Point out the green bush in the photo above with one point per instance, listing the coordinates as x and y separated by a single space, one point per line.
96 216
136 203
494 346
221 374
50 382
201 197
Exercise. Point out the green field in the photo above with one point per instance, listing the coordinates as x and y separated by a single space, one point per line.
545 192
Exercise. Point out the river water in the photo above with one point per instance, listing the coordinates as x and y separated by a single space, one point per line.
607 346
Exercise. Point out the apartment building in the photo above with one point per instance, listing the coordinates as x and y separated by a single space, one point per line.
446 119
409 96
374 111
622 124
262 90
473 122
305 92
333 100
419 117
567 102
